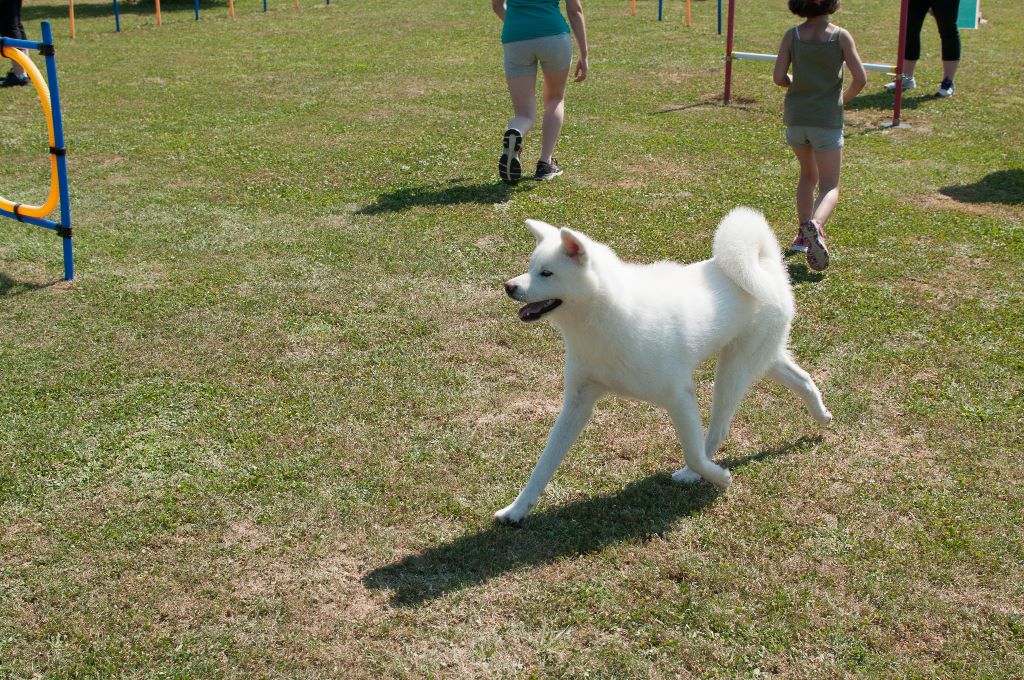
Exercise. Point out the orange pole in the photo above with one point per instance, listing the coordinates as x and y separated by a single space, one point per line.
296 4
231 8
687 12
159 21
71 15
632 8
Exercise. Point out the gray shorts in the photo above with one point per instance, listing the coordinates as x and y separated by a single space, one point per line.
822 139
554 52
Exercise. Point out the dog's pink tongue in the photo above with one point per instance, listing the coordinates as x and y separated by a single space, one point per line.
530 310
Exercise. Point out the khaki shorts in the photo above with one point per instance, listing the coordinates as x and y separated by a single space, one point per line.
822 139
554 52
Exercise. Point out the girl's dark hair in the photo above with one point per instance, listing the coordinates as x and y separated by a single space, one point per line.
813 8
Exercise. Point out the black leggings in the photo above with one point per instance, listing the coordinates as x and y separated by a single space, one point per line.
10 20
945 12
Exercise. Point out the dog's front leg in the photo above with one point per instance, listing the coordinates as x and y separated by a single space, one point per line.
576 410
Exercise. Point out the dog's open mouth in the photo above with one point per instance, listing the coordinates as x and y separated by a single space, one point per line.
535 310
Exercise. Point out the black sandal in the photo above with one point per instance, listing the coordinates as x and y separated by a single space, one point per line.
13 81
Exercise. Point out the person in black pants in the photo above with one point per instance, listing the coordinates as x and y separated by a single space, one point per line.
10 27
945 12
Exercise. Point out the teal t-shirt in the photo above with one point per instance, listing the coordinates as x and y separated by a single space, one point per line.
529 19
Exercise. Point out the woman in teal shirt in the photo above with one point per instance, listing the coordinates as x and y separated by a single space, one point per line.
534 31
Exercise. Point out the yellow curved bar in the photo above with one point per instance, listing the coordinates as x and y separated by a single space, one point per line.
44 97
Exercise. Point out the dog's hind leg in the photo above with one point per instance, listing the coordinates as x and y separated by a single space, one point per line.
739 365
786 372
686 418
576 411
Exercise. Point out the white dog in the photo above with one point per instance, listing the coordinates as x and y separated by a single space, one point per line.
641 330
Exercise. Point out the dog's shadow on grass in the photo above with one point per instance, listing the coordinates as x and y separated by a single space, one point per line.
485 193
642 510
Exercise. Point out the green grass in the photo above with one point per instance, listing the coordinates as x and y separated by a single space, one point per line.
264 431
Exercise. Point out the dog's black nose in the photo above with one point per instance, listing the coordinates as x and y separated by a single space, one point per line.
511 288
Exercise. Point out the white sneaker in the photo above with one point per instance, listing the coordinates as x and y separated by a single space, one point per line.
908 84
945 89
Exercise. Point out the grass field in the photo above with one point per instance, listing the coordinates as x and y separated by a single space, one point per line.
264 431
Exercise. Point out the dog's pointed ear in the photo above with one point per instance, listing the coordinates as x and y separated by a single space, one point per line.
573 245
540 230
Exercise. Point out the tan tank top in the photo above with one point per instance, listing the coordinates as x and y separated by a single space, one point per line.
815 98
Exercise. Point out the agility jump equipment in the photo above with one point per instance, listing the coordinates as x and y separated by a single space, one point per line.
49 97
159 18
897 70
661 11
969 15
688 20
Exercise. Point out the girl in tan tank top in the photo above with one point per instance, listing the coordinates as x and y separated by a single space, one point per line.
817 50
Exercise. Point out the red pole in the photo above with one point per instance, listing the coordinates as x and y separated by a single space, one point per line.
728 50
897 107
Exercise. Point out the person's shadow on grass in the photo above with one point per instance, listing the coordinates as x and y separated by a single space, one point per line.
884 100
642 510
486 193
799 273
1002 186
10 287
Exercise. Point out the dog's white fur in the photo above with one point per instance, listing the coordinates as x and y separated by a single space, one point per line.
641 330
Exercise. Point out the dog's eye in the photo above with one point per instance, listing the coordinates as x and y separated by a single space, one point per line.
545 273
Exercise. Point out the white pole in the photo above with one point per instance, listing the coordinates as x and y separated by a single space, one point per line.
771 57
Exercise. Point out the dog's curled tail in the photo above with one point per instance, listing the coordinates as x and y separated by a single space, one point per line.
747 252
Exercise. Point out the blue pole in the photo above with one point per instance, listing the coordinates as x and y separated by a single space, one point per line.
197 10
21 44
64 229
264 5
117 17
37 221
659 10
719 17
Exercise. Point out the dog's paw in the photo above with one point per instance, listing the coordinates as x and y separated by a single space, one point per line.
685 476
722 480
509 516
825 419
717 476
